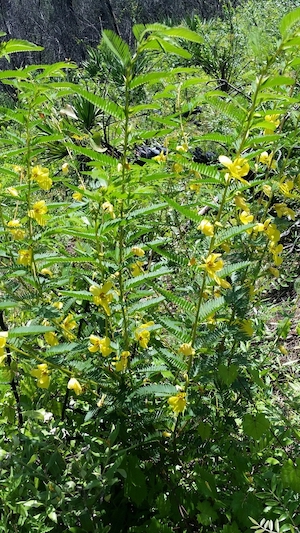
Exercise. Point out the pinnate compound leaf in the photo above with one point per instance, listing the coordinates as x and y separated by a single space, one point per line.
118 47
24 331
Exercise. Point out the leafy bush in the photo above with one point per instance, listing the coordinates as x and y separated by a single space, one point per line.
139 390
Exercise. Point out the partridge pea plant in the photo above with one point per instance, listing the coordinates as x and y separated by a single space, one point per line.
131 294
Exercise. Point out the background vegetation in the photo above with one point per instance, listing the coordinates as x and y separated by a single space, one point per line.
150 280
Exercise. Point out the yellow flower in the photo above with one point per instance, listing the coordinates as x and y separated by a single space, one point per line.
14 227
102 296
284 210
108 208
206 227
100 402
276 251
25 257
121 364
38 211
42 375
136 268
283 349
74 385
41 176
187 349
286 188
51 338
58 305
241 203
77 195
177 168
3 337
213 264
273 233
237 168
136 250
195 187
99 344
142 334
274 271
267 159
178 402
184 147
161 158
246 217
65 168
69 323
46 272
274 121
12 191
267 189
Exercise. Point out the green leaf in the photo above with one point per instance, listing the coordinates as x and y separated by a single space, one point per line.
8 304
277 81
209 308
185 211
24 331
148 276
289 21
228 109
118 47
228 374
135 482
93 154
165 46
145 211
290 475
230 233
17 45
204 430
79 295
177 300
255 426
161 390
183 33
109 107
141 305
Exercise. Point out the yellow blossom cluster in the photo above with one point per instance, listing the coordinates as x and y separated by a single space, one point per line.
41 176
108 208
142 334
206 227
122 362
137 268
213 264
39 209
74 385
283 210
267 159
15 229
102 295
42 375
101 345
25 257
237 169
178 402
